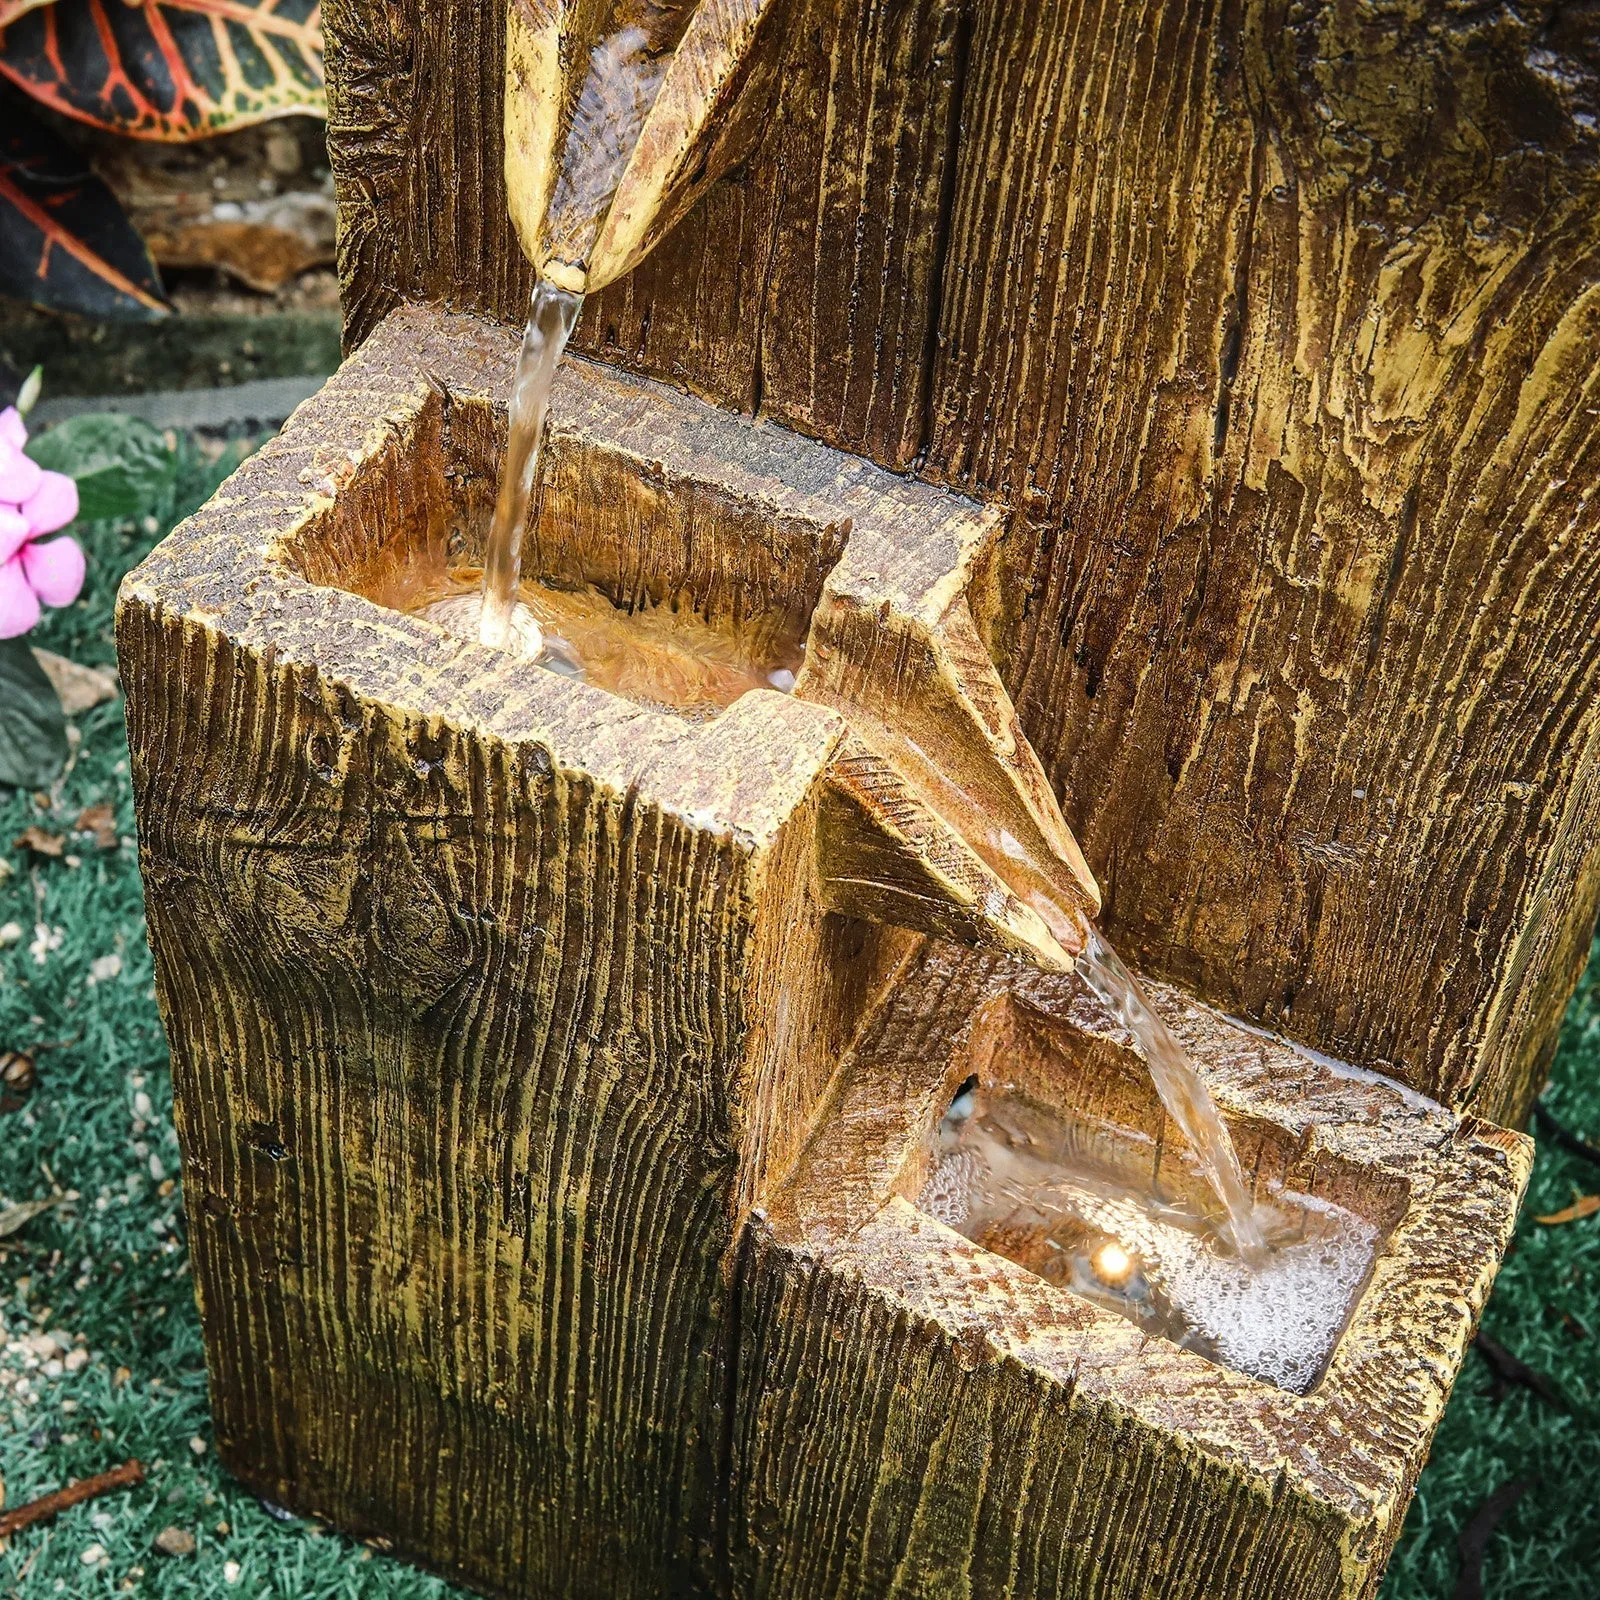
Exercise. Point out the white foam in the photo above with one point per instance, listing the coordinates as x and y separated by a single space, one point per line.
1279 1322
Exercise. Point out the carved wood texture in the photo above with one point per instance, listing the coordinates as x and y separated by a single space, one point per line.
470 1018
544 1220
1269 325
918 1417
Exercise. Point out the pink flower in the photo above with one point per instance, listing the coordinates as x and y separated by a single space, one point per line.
33 502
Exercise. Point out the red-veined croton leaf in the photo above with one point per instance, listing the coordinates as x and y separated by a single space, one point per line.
12 9
64 241
167 69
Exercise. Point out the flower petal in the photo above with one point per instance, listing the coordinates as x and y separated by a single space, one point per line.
14 532
19 475
19 605
54 569
12 428
52 505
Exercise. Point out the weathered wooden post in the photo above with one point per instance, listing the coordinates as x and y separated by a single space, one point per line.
556 1075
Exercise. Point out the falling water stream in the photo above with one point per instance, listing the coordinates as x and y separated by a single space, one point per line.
506 621
550 324
1072 1200
1183 1092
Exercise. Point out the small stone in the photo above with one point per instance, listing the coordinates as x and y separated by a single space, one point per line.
198 1445
17 1070
92 1555
120 1377
142 1108
76 1360
104 968
283 153
231 1572
11 933
175 1542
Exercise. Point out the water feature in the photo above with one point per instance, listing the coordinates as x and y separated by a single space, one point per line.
1034 874
1182 1090
627 65
632 653
665 657
1075 1204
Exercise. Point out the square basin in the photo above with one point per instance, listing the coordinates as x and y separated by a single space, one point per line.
1078 1445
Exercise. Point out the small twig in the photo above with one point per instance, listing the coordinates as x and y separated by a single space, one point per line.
1563 1137
1473 1541
128 1476
15 1218
1508 1368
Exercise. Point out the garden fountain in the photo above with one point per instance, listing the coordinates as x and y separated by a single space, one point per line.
612 1118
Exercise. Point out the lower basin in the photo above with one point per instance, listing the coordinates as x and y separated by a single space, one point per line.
1270 1452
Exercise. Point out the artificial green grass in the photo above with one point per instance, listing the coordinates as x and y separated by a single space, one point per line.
1545 1309
111 1267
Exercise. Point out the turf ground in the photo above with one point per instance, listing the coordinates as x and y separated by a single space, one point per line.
108 1271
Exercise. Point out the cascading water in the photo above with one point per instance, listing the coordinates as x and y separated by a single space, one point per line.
550 325
1183 1092
627 65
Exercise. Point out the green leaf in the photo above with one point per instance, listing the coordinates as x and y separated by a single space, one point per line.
33 728
121 464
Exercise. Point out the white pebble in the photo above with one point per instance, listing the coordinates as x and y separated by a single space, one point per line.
93 1555
11 933
198 1445
231 1572
142 1107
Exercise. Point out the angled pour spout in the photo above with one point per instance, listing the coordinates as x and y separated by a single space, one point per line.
617 117
937 814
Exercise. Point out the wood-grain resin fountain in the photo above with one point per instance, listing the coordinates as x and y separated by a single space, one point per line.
557 1075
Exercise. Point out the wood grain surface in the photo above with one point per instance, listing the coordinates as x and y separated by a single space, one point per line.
545 1219
472 978
1268 327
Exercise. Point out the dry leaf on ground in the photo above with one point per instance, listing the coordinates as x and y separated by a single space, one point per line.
34 838
1584 1206
101 821
14 1218
259 256
18 1076
79 688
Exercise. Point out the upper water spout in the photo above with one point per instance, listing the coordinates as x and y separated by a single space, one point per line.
619 115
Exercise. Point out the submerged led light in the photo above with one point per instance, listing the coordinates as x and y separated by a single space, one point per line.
1112 1264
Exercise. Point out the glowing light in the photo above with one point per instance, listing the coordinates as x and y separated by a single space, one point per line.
1112 1264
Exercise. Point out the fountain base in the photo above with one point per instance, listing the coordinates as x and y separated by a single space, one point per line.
544 1219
